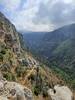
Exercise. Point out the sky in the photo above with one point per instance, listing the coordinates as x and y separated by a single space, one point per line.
39 15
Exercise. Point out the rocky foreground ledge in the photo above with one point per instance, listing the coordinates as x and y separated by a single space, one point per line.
14 91
61 93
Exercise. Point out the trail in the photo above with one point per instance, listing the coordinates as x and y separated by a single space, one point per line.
29 73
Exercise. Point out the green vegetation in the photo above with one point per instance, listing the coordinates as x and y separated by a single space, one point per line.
40 88
24 63
37 90
2 53
1 57
73 84
66 75
9 76
45 93
20 71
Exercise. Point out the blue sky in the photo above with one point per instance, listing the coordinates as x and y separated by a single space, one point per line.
39 15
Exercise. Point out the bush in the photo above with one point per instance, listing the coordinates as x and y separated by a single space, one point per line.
5 67
24 63
45 94
20 71
3 52
32 77
73 84
9 76
1 57
37 89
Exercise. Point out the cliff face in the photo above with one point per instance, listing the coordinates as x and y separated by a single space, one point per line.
10 55
10 45
8 34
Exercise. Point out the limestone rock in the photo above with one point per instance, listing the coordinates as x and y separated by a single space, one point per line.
60 93
14 91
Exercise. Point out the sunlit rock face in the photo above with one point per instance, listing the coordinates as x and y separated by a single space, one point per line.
14 91
9 34
60 93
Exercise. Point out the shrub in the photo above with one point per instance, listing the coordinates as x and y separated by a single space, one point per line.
5 67
24 63
1 57
9 76
37 90
20 71
45 94
3 52
32 77
73 84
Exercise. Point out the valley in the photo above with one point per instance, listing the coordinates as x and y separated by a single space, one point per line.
22 76
37 49
57 50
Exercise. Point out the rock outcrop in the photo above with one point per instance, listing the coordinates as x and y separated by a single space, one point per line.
8 34
10 52
60 93
14 91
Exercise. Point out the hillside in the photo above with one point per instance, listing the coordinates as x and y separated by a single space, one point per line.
18 66
33 39
45 42
57 49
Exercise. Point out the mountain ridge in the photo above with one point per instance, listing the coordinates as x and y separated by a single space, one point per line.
56 48
18 66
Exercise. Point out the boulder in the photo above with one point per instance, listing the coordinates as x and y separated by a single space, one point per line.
60 93
3 98
14 91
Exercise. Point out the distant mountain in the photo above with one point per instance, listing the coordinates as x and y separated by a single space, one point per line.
55 38
58 48
46 42
33 39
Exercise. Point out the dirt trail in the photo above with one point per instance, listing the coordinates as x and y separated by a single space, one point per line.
29 73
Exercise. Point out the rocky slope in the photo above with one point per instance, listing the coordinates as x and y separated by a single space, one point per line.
13 91
17 66
11 55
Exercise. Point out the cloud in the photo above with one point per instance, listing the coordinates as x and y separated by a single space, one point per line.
39 15
10 4
56 12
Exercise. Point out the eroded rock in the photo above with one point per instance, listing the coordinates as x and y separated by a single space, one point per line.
14 91
60 93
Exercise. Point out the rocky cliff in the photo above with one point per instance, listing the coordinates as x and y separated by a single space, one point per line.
18 66
8 34
13 91
10 55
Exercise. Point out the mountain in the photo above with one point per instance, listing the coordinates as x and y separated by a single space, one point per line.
19 70
45 42
57 49
33 39
10 53
53 39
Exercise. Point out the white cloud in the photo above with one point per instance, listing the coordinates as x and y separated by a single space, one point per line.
68 1
24 19
31 3
10 4
27 15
